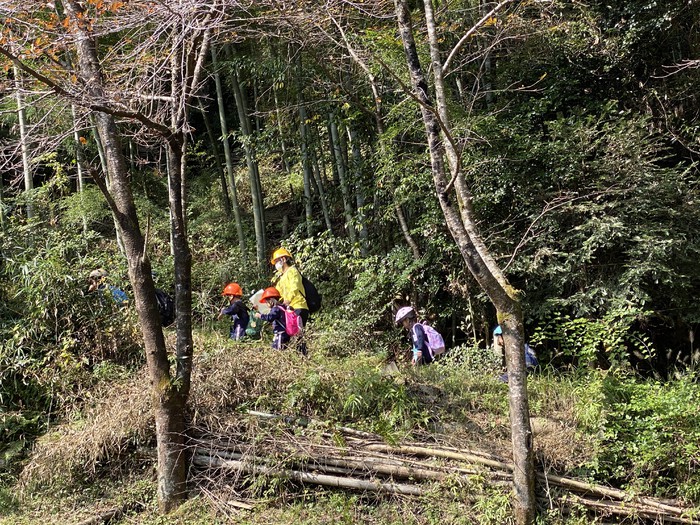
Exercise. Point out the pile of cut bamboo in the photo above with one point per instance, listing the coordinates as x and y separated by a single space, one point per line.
367 464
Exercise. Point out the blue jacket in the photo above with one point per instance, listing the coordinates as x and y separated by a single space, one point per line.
239 317
276 317
420 342
279 327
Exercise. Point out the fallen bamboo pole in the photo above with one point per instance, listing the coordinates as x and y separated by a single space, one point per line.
599 490
382 459
560 481
305 477
626 508
366 464
448 454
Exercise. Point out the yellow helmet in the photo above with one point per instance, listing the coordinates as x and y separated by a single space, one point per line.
280 252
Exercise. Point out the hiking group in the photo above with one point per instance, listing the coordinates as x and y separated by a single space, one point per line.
287 306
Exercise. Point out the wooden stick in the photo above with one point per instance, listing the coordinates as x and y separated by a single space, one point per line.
378 458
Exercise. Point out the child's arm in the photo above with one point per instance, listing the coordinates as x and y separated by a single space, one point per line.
226 310
274 315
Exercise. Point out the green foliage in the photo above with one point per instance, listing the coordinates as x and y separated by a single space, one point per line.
52 332
648 433
605 341
87 207
366 398
495 509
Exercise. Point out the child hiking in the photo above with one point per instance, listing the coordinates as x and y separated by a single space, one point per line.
276 316
236 309
289 282
424 349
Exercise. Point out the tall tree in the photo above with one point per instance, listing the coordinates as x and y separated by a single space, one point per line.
253 170
305 143
23 138
357 177
379 123
155 31
459 215
228 157
218 164
341 166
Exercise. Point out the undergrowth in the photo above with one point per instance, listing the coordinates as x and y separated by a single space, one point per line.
596 425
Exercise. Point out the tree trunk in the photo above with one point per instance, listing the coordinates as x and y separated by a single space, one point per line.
23 140
343 178
379 120
217 159
357 178
318 176
227 153
168 396
283 146
105 172
79 162
463 228
307 170
253 173
305 156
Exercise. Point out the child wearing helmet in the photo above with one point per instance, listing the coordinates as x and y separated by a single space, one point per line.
407 317
236 309
289 283
271 297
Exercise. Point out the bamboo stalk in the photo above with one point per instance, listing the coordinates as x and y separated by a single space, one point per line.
389 470
382 459
305 477
626 508
607 492
560 481
423 451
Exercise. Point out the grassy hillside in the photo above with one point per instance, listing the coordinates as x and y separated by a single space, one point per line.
100 456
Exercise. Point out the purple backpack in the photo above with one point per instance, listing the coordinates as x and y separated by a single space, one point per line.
435 342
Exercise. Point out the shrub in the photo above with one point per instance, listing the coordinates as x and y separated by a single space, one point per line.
648 433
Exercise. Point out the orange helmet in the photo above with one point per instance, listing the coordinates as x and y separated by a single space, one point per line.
232 289
280 252
269 293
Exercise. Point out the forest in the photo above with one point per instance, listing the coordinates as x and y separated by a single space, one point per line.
529 165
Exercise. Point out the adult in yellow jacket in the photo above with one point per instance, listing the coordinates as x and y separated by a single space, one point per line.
288 281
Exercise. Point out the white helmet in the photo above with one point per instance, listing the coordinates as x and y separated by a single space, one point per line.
96 274
403 313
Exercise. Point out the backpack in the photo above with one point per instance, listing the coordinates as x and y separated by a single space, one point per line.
436 343
291 321
166 308
254 327
313 298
